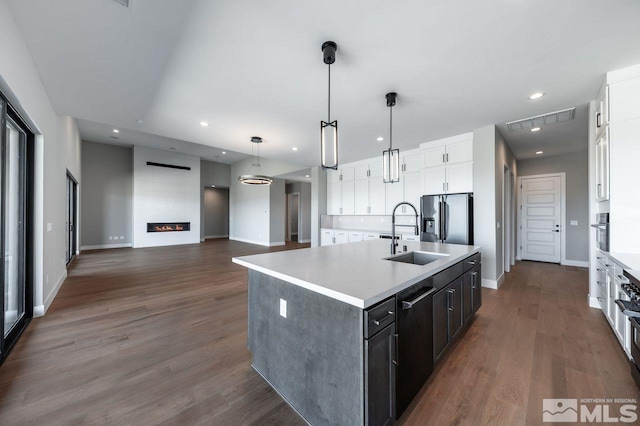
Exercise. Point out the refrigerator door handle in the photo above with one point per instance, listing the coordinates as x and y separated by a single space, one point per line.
441 208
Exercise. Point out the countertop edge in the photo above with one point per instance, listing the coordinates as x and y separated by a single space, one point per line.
354 301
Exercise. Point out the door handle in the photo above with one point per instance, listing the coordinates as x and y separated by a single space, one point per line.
555 230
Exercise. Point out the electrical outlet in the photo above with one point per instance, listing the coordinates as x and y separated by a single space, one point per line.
574 223
110 237
49 226
283 308
121 237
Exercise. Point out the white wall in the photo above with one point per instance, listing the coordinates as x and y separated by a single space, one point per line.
57 149
162 194
278 215
250 206
504 158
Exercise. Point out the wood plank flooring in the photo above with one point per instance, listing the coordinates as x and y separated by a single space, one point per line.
158 336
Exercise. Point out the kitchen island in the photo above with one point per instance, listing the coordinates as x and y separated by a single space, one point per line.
348 336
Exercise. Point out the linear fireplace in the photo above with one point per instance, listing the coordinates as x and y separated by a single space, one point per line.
168 226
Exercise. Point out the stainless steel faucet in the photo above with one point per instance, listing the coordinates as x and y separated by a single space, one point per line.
393 224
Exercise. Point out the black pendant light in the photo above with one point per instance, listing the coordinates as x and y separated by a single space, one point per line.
329 129
257 178
391 157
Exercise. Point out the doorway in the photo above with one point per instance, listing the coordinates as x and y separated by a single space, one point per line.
71 234
16 164
507 219
542 211
293 217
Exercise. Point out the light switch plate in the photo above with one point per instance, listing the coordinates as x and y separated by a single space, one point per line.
574 223
283 308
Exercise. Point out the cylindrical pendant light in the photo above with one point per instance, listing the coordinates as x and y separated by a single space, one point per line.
329 129
391 157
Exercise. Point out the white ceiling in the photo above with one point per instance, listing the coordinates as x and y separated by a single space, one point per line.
254 68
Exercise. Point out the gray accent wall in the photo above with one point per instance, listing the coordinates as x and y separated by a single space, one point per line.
106 192
576 167
304 189
278 209
216 212
217 174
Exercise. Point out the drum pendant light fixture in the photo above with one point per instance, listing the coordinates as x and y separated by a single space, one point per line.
391 157
258 178
329 129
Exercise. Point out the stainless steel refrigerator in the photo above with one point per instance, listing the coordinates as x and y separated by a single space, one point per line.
447 218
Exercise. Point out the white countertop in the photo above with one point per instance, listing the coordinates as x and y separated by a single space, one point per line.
626 260
354 273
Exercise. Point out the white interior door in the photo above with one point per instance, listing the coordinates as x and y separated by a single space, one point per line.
541 218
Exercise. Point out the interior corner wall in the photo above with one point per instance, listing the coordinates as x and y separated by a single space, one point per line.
484 200
250 206
162 194
278 212
304 189
576 168
107 193
504 158
57 150
212 173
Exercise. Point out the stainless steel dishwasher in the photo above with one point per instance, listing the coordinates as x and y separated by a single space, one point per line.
414 322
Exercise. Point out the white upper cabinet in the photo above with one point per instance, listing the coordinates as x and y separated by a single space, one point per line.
361 197
441 153
376 196
459 178
601 113
435 156
459 152
448 165
347 173
333 176
602 166
412 162
435 180
361 171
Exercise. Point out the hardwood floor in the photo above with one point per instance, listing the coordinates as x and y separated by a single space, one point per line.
158 335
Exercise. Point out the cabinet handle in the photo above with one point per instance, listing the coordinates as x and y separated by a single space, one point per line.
443 187
451 291
472 262
379 321
447 157
447 186
599 190
474 278
408 305
599 120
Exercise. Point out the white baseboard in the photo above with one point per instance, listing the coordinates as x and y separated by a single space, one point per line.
578 263
245 240
593 302
304 241
211 237
106 246
38 311
490 283
278 243
54 292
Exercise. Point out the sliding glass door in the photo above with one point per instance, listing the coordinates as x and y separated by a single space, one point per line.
17 305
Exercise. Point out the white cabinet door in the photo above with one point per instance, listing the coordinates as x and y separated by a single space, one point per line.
333 176
355 236
334 198
459 178
413 190
393 195
361 171
459 152
407 237
434 180
348 197
413 163
377 196
361 196
348 174
326 237
434 156
371 236
375 168
341 237
602 167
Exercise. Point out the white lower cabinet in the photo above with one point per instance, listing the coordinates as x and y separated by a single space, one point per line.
326 237
341 237
355 236
410 237
371 236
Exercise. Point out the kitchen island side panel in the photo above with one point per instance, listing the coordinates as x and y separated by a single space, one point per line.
314 357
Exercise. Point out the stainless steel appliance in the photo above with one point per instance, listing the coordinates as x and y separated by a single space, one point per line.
631 308
447 218
602 231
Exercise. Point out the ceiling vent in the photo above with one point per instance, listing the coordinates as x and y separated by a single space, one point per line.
542 120
124 3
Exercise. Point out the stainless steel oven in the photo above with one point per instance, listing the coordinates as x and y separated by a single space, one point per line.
602 231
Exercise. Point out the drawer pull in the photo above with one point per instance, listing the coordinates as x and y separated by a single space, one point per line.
379 321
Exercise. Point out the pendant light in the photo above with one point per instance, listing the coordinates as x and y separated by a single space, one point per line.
329 129
391 157
258 178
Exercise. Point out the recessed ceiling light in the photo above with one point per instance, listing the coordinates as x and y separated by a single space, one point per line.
380 138
306 176
535 129
140 121
213 186
116 131
538 152
204 124
224 152
536 95
295 148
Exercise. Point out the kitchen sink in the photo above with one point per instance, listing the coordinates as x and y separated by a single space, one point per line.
417 257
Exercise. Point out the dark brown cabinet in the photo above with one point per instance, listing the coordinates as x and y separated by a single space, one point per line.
471 292
380 377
